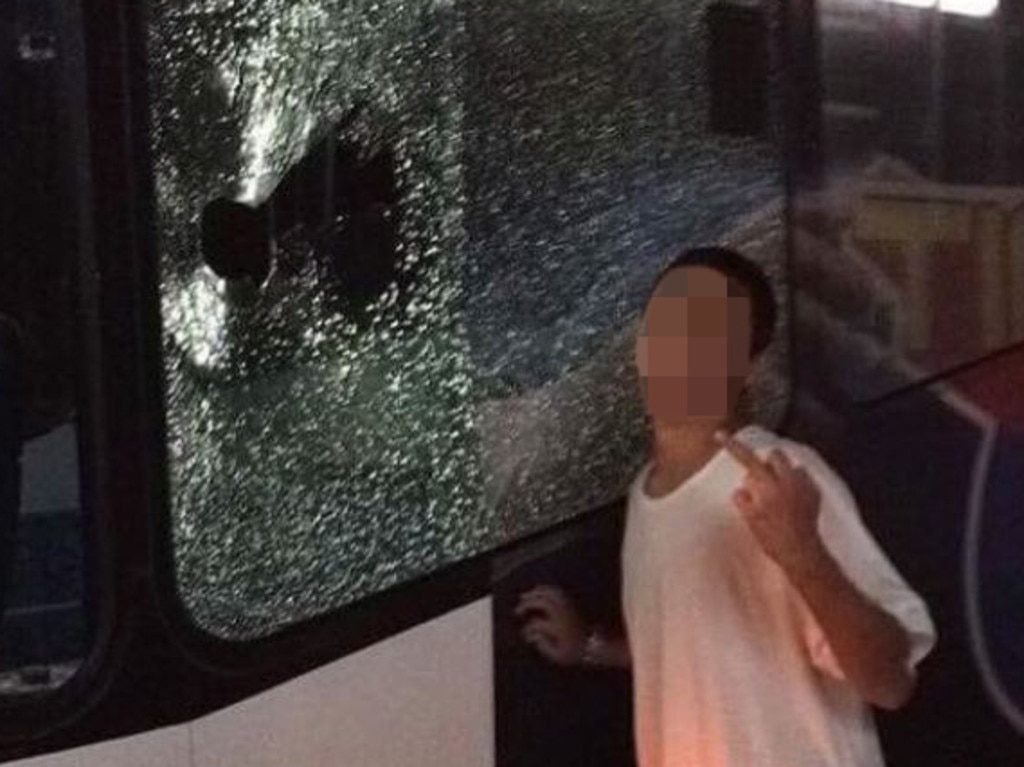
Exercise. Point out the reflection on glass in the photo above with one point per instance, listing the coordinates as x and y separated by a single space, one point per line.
910 247
44 601
403 245
908 296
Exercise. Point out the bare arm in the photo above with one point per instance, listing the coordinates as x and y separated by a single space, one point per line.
781 503
869 644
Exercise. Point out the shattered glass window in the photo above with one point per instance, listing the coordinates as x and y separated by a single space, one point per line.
403 246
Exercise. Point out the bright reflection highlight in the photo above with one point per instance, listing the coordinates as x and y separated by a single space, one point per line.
978 8
969 7
913 3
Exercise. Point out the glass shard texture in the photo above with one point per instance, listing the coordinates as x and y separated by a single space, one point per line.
402 248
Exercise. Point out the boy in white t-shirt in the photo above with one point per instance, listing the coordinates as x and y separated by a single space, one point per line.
762 619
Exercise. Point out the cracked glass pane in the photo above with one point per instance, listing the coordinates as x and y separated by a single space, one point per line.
403 245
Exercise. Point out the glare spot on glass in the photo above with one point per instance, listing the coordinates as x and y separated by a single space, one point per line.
259 135
198 317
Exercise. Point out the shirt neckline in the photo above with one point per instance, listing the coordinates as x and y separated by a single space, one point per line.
715 458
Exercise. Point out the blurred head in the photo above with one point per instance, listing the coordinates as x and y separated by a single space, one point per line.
709 316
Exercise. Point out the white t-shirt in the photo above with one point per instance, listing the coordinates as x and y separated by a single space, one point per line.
730 667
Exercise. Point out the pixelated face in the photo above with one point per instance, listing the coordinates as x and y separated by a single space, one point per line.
693 347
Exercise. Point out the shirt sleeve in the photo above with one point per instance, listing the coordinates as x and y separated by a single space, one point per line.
863 562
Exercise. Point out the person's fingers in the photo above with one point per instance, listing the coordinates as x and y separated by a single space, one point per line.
547 645
552 600
531 608
540 639
551 592
802 475
539 602
542 624
530 632
747 505
801 479
746 457
781 466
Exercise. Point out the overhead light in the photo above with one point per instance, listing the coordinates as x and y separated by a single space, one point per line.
979 8
969 7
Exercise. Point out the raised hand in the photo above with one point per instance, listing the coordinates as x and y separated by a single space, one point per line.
780 503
